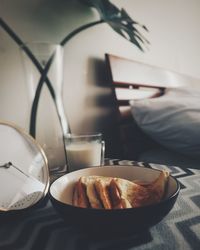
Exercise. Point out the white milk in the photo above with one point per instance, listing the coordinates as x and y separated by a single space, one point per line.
83 154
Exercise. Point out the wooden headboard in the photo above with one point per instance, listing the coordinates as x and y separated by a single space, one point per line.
134 80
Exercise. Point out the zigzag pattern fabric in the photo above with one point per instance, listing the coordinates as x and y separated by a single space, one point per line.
42 228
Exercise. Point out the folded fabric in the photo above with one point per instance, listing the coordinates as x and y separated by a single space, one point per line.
173 120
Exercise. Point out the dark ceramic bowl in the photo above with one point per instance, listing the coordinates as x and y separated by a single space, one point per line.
118 220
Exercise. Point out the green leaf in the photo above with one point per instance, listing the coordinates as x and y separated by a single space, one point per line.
119 21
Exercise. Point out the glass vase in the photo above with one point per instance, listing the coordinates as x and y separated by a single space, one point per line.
43 70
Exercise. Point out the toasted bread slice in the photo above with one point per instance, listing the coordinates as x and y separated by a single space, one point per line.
136 195
127 191
142 195
91 192
118 201
102 186
80 198
158 187
115 195
75 201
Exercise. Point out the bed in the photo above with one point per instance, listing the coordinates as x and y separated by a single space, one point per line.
158 112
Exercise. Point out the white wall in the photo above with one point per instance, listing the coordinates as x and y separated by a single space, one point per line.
173 32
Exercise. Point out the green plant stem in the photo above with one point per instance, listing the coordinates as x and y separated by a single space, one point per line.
37 97
81 28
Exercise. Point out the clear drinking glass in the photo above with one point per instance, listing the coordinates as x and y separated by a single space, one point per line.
84 151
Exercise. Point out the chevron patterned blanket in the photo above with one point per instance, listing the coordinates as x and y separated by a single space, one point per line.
42 228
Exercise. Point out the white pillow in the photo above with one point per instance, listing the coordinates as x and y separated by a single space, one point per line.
173 120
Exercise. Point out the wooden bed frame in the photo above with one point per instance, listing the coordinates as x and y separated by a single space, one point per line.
131 80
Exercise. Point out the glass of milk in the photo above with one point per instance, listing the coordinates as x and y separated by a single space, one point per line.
84 151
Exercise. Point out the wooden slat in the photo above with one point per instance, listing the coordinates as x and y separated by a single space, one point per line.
129 72
125 94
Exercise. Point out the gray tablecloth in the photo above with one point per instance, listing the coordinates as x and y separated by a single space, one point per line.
42 228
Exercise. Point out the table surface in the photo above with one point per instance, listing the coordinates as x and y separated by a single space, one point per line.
42 228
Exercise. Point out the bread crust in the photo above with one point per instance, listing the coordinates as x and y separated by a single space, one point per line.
102 187
80 198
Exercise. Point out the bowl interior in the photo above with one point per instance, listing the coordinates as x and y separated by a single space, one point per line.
62 188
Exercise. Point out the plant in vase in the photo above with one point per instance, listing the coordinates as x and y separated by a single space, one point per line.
117 19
